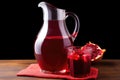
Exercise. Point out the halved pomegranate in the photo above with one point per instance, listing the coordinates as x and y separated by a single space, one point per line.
95 51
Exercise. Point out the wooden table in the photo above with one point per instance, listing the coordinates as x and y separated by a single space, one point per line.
108 70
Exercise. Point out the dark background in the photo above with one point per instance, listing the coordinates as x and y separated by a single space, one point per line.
21 20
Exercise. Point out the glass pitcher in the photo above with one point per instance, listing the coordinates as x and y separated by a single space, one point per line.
53 38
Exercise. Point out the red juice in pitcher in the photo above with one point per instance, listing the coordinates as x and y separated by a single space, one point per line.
53 56
50 52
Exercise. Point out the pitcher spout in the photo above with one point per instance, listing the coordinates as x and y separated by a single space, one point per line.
51 12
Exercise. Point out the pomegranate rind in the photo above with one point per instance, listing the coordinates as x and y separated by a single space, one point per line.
99 57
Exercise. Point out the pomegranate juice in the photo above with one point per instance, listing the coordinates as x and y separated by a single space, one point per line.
50 46
53 57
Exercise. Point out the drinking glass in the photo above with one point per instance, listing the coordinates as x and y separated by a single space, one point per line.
79 64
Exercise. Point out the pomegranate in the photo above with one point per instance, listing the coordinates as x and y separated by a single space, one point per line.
95 51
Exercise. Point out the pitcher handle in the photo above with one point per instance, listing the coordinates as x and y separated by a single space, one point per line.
77 24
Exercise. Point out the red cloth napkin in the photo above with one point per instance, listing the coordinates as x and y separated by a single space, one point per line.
33 70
